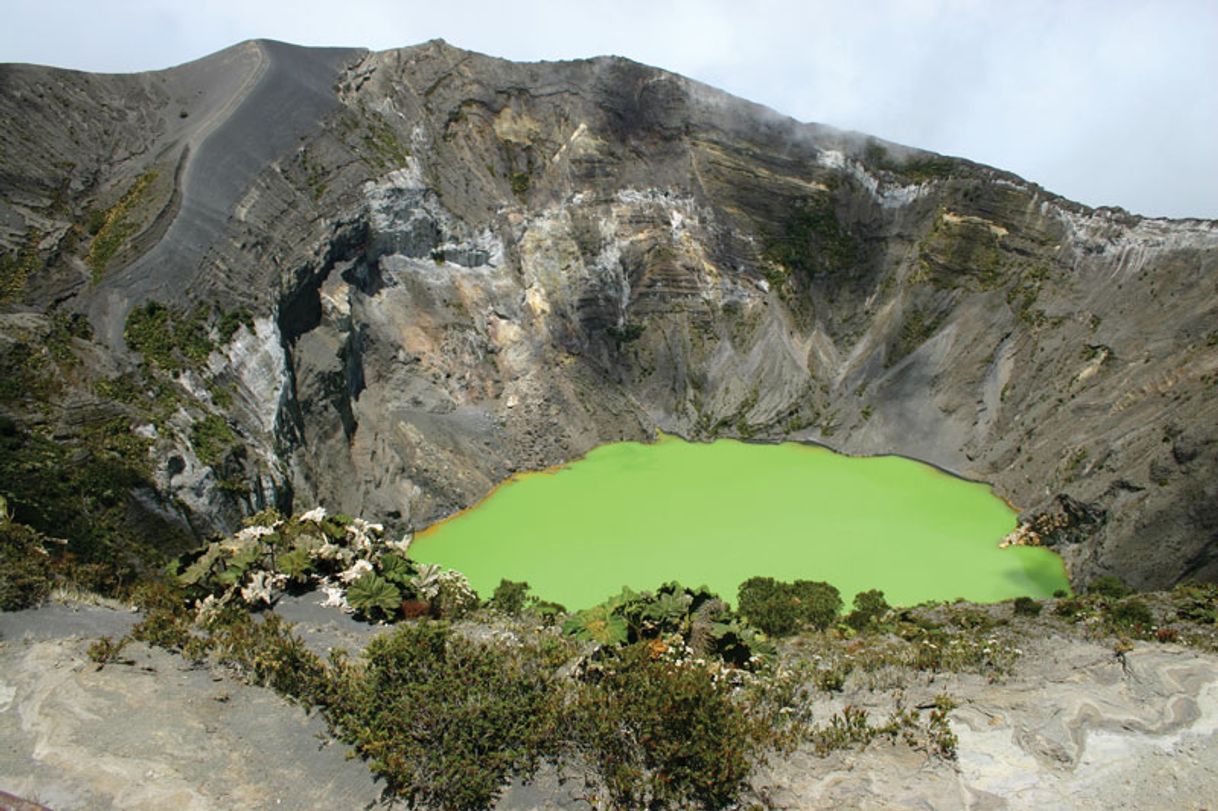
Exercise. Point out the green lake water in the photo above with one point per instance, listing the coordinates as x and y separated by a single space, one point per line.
718 513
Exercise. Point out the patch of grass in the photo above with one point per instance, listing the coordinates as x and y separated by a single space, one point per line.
173 341
627 333
382 147
812 240
1026 607
212 439
914 169
315 176
116 226
1022 297
17 267
961 252
520 183
231 321
916 329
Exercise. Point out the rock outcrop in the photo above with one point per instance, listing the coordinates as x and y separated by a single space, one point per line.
449 267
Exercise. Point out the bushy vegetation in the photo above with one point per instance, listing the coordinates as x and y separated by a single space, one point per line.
1026 607
913 169
511 597
231 321
812 240
172 341
113 227
520 183
382 148
658 699
82 491
348 557
211 438
869 607
444 720
780 609
673 614
919 325
17 267
1109 586
662 699
662 731
25 577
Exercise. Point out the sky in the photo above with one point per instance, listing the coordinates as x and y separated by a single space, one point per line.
1108 102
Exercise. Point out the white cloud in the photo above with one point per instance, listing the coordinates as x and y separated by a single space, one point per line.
1111 103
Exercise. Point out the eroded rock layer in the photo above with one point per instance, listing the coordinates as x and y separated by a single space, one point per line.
441 267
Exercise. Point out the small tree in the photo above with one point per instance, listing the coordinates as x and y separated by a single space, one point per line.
869 606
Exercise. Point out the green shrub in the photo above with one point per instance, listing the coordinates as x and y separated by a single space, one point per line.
819 602
171 340
233 320
520 183
80 488
25 565
1196 602
1109 586
779 608
663 734
510 597
266 652
1130 613
1026 607
164 627
702 621
1070 608
766 604
211 438
444 720
869 607
105 650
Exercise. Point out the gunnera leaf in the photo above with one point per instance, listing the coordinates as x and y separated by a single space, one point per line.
372 594
237 566
199 570
396 569
598 624
295 564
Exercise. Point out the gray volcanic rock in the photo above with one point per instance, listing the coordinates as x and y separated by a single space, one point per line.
458 266
1071 727
153 733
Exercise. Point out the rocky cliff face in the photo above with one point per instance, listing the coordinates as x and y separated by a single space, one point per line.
391 279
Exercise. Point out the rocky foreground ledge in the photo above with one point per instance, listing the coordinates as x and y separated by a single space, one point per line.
1075 723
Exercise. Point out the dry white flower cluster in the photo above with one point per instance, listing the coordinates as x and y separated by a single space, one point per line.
355 555
263 587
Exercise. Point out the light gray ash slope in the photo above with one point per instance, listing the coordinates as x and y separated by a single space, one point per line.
463 266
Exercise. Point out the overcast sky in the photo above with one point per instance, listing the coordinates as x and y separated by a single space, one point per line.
1108 102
